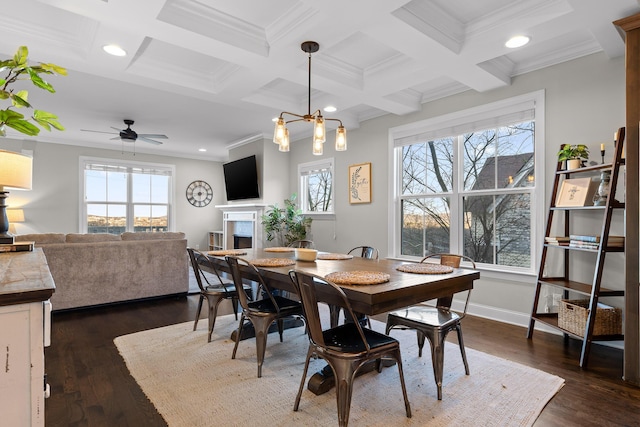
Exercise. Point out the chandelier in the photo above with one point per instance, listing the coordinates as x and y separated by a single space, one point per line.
281 133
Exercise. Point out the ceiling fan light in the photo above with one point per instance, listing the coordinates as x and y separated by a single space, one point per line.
279 131
284 145
317 148
319 134
341 138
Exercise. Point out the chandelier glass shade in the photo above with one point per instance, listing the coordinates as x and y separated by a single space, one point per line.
281 132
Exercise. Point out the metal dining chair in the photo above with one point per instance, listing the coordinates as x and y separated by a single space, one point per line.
213 293
302 244
262 312
434 323
346 348
368 252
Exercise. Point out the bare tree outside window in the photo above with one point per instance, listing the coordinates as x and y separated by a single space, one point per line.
497 167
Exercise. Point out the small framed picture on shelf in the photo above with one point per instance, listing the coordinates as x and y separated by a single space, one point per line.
576 192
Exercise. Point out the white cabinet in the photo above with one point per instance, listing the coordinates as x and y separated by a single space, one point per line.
25 287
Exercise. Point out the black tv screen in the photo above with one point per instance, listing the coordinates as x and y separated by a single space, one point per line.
241 179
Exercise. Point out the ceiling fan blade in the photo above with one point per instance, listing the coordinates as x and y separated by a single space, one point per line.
152 141
97 131
113 139
153 135
115 128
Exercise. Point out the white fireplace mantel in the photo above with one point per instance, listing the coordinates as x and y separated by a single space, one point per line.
242 219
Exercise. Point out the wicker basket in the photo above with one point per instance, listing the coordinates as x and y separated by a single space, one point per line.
572 317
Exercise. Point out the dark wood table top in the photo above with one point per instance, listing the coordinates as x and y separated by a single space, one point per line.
402 290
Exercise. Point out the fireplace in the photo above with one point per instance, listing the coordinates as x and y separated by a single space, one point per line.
241 242
241 226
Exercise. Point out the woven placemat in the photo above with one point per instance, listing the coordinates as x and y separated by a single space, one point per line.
227 252
279 249
357 277
272 262
334 256
425 268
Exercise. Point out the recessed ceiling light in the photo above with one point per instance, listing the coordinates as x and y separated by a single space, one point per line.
517 41
114 49
202 149
330 109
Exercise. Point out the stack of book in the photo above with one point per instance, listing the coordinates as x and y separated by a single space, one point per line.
557 240
593 242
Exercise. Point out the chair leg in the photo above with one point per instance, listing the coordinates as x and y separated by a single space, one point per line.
310 352
407 406
234 304
420 336
195 323
280 327
334 315
238 334
261 326
437 358
213 303
461 344
344 373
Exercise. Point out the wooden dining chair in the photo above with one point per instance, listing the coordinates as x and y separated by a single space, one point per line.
214 293
346 348
434 322
262 312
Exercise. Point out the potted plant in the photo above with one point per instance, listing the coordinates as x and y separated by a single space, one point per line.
573 155
15 69
287 224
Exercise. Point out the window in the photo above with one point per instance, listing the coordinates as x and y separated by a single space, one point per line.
466 183
316 187
125 196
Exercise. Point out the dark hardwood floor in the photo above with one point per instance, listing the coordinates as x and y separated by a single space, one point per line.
91 386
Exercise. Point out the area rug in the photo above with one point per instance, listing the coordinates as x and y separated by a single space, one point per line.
195 383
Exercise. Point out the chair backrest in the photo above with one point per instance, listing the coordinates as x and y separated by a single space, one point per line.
307 285
199 259
263 290
302 244
453 260
368 252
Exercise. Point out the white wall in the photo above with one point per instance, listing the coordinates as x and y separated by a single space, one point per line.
585 101
53 203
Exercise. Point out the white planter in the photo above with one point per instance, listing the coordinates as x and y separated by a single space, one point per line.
573 164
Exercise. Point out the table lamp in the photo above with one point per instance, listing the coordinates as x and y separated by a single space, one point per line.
15 173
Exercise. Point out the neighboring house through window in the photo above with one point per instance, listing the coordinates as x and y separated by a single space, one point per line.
469 183
120 196
316 187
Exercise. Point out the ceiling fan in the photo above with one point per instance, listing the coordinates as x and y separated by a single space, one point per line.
129 135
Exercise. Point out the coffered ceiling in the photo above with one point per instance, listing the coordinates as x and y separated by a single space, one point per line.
211 73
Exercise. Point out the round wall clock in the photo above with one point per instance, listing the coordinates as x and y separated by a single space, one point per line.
199 194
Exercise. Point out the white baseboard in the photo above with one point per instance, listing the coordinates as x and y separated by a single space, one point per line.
517 319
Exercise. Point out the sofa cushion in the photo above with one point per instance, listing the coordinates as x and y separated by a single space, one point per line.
158 235
92 238
42 238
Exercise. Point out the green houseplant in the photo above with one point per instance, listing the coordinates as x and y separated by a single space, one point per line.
287 224
17 69
573 154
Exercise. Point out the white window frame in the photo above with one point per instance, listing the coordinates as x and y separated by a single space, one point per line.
83 226
448 125
305 168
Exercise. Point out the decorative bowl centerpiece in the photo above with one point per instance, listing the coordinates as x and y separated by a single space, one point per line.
304 254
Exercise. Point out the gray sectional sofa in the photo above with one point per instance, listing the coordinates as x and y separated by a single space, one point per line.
95 269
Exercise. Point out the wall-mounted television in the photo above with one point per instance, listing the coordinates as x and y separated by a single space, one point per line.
241 179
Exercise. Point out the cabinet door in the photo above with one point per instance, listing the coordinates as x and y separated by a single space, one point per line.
22 373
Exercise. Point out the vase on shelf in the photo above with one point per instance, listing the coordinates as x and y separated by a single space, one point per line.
600 198
573 164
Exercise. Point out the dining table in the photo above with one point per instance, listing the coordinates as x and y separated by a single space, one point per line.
402 289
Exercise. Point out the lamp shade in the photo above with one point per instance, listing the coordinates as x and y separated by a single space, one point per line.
15 170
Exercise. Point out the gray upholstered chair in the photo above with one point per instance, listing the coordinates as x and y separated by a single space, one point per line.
262 312
434 323
213 293
302 244
346 347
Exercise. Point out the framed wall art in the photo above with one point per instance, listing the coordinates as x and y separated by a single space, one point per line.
360 183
